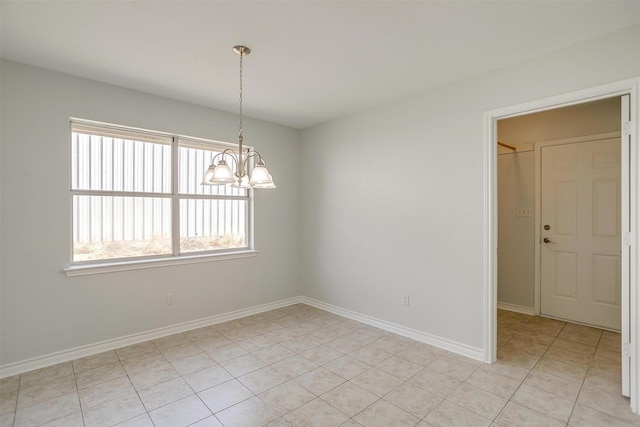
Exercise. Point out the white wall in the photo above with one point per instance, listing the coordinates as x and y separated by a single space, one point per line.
516 234
393 197
42 310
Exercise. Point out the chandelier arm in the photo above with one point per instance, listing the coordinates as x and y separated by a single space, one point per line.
260 159
251 154
245 161
213 159
231 153
227 151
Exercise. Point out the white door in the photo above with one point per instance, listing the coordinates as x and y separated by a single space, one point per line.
580 249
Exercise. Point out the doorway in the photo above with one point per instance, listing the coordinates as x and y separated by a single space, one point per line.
630 264
545 192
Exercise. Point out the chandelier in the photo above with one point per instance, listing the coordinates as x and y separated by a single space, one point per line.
222 174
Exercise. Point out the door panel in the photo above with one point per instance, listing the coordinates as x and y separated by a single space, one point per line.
566 209
580 253
606 279
564 277
606 221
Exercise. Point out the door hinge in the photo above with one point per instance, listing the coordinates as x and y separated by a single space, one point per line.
626 346
626 128
626 239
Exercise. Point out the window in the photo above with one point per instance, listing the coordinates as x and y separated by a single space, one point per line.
137 194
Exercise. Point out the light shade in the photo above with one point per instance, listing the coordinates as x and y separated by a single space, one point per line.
208 175
222 174
260 175
267 185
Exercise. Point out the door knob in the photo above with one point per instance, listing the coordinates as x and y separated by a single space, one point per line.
547 240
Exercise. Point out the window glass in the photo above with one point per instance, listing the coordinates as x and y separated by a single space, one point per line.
212 224
115 164
112 227
124 204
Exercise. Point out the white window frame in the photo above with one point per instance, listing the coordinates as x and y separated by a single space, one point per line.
176 257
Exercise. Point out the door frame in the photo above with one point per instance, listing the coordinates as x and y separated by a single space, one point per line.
537 148
629 87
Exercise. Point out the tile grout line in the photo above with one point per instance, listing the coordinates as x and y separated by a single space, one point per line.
588 367
298 352
75 379
573 408
519 385
532 368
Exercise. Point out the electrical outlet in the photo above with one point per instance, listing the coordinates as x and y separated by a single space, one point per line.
405 299
171 299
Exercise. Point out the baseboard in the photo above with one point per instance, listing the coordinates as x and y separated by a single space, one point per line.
517 308
91 349
113 344
443 343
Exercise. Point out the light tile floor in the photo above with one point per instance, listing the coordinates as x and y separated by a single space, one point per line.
300 366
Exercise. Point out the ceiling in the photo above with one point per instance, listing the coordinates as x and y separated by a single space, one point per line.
311 61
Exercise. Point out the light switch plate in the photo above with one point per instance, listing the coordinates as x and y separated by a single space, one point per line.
524 211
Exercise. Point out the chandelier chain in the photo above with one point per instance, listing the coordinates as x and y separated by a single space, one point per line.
241 55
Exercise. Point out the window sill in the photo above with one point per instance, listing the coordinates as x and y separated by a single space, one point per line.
87 269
